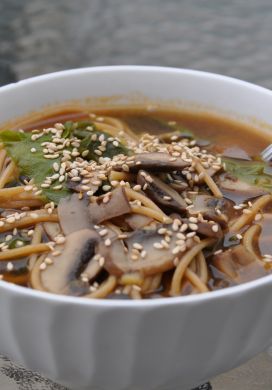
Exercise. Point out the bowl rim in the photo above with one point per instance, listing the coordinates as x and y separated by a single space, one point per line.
144 303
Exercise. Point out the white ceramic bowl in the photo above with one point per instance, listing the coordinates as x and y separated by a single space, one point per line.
174 343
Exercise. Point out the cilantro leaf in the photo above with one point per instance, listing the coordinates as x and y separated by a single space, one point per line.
33 165
251 172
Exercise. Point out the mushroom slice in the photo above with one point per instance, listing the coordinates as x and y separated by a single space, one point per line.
137 221
52 229
238 188
116 205
208 229
63 276
160 192
153 258
73 214
213 209
239 264
155 162
177 181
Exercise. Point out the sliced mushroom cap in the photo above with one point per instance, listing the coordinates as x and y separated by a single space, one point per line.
236 152
52 229
209 229
63 276
239 189
155 162
161 193
137 221
177 181
238 264
73 214
119 258
213 209
116 205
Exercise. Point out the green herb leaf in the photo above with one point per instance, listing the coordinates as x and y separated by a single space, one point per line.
251 172
33 165
81 131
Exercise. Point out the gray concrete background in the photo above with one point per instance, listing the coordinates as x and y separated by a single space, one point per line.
232 37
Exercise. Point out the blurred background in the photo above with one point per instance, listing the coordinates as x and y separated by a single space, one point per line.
232 37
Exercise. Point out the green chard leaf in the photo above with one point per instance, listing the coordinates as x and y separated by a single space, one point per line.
85 131
251 172
33 165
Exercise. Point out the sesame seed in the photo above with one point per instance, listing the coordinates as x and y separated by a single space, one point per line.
58 187
106 187
107 242
60 240
75 179
193 226
30 232
48 261
122 236
162 230
19 243
28 188
34 215
239 236
191 234
43 266
33 150
10 266
136 245
247 211
176 250
103 232
2 223
157 245
45 185
215 228
10 220
115 143
85 153
101 261
51 156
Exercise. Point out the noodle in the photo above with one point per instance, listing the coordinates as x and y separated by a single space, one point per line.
27 250
246 218
202 267
183 264
36 239
158 216
30 218
5 176
3 155
195 280
208 180
134 195
249 236
104 289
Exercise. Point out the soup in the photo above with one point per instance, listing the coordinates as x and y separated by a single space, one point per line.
133 203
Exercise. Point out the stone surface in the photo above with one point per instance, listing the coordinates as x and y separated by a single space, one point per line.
232 37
